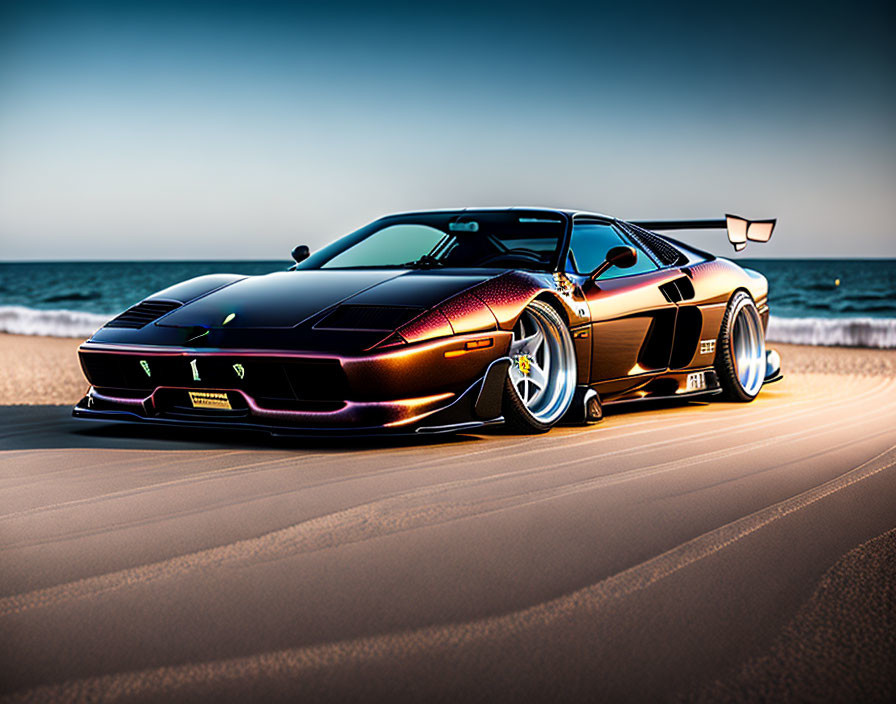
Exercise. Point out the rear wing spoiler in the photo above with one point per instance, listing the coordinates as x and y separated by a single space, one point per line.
739 229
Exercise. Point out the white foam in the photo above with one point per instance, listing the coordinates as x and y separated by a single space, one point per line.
842 332
20 320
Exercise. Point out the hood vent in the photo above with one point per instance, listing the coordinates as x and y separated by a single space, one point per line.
379 318
142 314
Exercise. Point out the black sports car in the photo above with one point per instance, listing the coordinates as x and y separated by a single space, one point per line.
444 321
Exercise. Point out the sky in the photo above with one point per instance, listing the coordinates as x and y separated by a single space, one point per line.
235 130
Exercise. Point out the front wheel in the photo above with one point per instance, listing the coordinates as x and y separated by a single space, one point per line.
542 377
740 357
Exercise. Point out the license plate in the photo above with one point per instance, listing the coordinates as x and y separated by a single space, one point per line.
210 399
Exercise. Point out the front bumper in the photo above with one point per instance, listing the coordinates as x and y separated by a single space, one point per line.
434 387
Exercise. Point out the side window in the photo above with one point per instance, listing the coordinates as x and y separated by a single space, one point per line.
590 244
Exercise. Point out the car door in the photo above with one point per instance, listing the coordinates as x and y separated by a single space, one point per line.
632 312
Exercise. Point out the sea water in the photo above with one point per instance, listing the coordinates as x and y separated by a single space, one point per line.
813 301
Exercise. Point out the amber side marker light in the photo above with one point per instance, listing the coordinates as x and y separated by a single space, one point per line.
469 346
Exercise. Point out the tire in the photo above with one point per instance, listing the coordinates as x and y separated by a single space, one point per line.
740 350
541 380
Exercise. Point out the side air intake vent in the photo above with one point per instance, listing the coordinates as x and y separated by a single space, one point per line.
381 318
142 314
680 289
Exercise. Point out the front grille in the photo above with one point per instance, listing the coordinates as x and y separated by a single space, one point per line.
142 314
268 379
116 372
368 318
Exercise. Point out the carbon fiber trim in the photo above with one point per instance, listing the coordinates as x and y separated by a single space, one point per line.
664 252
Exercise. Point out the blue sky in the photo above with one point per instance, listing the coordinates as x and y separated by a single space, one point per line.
236 130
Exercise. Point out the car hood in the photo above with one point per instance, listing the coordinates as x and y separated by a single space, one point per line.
287 299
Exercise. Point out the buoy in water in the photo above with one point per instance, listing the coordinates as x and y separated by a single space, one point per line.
836 282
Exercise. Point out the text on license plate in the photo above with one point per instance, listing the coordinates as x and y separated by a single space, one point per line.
210 399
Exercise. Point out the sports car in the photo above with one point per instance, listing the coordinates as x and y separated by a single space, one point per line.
444 321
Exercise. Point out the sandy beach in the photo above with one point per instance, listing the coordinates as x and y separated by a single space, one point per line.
699 552
40 370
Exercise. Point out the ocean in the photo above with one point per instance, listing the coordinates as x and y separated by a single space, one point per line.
813 301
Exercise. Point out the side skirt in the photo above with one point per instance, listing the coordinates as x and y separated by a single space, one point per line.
667 397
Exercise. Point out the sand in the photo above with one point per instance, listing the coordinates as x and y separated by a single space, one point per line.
40 370
839 646
688 552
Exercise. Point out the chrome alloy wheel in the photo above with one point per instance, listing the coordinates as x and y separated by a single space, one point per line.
543 366
748 348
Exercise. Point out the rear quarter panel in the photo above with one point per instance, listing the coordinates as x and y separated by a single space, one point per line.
714 283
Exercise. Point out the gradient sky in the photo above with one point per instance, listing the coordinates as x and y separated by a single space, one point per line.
236 130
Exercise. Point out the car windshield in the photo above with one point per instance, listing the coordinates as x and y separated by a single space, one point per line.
513 239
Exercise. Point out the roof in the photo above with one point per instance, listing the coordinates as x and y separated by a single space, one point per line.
571 213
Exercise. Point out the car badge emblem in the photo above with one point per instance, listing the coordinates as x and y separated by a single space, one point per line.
144 365
195 371
563 284
240 370
524 364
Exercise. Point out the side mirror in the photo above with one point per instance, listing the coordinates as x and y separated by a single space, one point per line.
622 256
300 253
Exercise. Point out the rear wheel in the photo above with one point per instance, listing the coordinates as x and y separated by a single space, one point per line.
740 357
542 377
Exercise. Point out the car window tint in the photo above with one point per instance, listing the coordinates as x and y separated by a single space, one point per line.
389 246
590 244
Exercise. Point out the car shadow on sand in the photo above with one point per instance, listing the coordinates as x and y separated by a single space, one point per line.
53 427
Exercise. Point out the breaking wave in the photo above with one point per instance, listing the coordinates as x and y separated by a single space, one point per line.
839 332
20 320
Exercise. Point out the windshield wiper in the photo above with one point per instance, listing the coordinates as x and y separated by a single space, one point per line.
427 261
